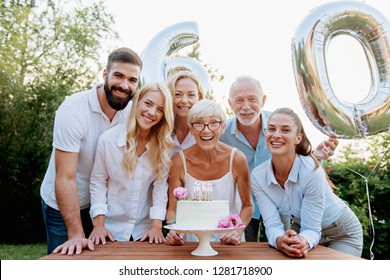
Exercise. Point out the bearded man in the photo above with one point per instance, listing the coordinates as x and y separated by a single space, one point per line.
79 122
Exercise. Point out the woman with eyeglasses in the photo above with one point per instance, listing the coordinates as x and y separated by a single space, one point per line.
210 161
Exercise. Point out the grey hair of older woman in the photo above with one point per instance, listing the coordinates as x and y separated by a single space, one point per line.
206 108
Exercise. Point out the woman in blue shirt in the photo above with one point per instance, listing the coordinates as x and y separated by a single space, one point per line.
292 187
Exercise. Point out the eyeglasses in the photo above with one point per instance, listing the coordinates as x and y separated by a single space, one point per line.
213 126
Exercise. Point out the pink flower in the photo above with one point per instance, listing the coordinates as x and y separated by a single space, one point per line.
224 223
235 220
232 221
180 193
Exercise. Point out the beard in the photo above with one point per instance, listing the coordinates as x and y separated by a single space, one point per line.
117 103
251 121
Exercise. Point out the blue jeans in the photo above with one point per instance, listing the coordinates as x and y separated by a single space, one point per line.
252 231
56 229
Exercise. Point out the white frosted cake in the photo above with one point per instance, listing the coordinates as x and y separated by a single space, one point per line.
192 214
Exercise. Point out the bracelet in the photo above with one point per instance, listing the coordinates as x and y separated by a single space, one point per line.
170 222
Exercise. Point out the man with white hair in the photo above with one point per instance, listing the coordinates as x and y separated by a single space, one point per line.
246 131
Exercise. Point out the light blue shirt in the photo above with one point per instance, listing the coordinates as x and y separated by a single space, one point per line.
235 138
306 197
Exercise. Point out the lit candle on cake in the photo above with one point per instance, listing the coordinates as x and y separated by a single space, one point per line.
206 191
210 191
197 191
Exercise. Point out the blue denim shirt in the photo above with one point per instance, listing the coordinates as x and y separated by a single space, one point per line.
235 138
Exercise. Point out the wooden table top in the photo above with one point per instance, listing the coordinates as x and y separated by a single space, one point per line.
146 251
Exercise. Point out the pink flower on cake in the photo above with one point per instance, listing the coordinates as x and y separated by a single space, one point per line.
232 221
180 193
236 220
224 223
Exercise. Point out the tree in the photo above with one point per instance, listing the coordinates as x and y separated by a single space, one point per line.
49 49
364 169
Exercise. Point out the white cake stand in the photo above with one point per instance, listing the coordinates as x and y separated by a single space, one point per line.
204 235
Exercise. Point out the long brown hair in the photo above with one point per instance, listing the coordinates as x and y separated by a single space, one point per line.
304 147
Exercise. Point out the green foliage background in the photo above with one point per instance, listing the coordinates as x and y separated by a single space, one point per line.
48 51
361 176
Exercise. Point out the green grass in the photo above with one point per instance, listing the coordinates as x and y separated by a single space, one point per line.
22 252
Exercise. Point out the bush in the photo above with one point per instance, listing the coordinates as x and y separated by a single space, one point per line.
47 53
368 160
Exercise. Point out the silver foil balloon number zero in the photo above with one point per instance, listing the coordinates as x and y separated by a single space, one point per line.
327 112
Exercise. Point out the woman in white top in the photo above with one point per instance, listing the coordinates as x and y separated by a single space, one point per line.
129 178
293 186
186 90
212 161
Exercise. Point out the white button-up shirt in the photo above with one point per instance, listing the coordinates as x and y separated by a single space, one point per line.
306 198
129 204
188 142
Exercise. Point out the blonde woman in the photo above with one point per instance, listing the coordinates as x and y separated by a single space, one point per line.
129 177
186 90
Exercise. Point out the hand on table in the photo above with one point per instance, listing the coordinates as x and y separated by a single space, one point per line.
292 245
74 245
155 234
99 234
232 238
174 238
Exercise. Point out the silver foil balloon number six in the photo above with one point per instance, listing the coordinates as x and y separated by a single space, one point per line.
160 57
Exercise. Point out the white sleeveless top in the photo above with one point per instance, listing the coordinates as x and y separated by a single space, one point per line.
224 188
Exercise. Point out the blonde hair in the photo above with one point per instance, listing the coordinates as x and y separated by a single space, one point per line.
185 74
206 108
160 138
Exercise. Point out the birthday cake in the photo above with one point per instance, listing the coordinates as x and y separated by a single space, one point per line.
192 214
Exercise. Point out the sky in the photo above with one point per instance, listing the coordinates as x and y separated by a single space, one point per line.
250 37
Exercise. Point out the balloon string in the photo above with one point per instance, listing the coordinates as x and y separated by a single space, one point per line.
368 200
